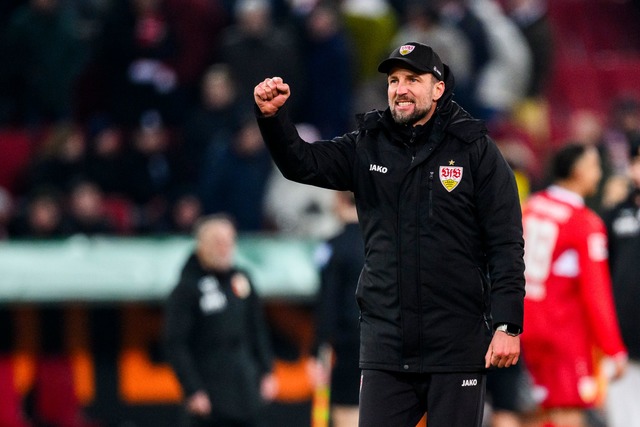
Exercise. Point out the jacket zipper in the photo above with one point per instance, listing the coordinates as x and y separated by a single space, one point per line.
418 276
484 289
431 194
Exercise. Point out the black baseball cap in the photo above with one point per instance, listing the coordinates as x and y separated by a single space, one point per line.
417 56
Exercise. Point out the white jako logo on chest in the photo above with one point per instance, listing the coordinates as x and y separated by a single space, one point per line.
212 299
378 168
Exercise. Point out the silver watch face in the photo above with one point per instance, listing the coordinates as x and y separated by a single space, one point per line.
505 328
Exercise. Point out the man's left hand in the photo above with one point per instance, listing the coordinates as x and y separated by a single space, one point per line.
503 351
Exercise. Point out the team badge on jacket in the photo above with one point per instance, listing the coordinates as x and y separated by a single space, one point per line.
240 285
450 176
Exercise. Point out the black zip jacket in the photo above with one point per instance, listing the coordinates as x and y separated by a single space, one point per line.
440 215
623 227
336 311
217 340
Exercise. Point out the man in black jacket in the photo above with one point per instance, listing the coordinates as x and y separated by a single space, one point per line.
441 292
216 337
623 228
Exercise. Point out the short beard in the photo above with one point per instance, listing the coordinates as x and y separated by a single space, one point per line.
408 119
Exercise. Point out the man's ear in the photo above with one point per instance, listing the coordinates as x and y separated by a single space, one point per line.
438 90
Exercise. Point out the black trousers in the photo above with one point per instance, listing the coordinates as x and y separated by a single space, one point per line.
398 399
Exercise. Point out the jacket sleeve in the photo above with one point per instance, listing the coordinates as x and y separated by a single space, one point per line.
179 326
326 163
500 218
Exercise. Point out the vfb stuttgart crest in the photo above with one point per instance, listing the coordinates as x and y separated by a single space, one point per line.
406 49
450 176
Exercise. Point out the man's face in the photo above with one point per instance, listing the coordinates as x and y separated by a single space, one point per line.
412 97
589 171
216 246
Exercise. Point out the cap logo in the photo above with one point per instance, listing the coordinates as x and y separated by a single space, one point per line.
406 49
435 69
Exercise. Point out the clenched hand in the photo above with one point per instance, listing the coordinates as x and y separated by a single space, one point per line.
270 95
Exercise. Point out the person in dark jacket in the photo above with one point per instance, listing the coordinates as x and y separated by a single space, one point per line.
216 336
441 293
623 229
340 260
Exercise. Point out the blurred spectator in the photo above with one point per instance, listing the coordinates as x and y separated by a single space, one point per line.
370 24
523 163
41 217
42 57
234 178
6 212
340 261
105 162
137 51
587 127
254 47
503 81
198 26
422 23
329 71
185 210
531 17
153 169
569 309
216 337
533 113
623 225
213 122
59 160
300 210
458 14
85 210
623 131
89 17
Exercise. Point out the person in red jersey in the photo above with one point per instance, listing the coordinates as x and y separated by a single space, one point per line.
569 310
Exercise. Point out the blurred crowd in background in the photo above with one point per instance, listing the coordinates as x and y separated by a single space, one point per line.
135 117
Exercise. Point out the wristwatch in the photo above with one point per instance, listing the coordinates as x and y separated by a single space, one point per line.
509 329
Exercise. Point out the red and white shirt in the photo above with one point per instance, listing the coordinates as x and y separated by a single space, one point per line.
568 286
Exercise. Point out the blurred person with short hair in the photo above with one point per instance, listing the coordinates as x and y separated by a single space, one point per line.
212 122
216 337
623 225
185 211
41 217
85 210
234 179
59 159
569 310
